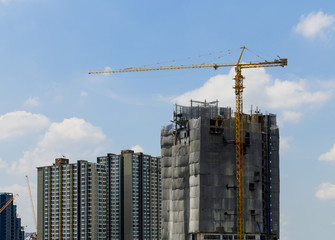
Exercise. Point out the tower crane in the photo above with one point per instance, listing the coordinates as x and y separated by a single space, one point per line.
8 202
238 87
31 203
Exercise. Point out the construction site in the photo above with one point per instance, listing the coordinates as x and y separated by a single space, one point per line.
220 169
167 120
199 174
217 178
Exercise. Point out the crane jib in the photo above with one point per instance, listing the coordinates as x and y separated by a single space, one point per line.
281 62
277 63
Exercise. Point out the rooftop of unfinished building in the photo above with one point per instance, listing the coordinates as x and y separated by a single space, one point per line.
211 109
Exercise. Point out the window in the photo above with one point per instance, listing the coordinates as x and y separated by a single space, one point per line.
211 236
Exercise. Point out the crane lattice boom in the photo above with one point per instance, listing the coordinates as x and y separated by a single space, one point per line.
276 63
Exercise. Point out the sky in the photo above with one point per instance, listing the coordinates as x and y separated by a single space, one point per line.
50 106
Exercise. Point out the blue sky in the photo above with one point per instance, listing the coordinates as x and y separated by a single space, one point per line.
50 106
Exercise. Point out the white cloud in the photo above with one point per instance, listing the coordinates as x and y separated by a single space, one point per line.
3 164
326 191
288 94
220 87
32 102
315 24
284 143
291 116
137 148
73 130
259 90
83 94
75 138
20 123
328 156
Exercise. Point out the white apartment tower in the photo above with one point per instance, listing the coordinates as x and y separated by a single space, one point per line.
134 196
117 198
71 201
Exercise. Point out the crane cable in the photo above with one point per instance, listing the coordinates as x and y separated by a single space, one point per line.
224 53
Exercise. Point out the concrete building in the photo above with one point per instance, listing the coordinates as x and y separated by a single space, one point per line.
134 198
199 174
71 200
113 199
119 197
10 223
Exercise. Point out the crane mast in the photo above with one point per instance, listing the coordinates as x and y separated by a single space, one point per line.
31 203
239 149
238 119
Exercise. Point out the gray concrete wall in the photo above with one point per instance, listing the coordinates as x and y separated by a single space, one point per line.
40 204
199 177
275 186
95 198
127 200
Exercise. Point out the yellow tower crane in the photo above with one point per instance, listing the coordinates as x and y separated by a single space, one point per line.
9 201
238 119
31 203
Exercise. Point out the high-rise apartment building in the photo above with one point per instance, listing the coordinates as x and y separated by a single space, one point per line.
119 197
134 198
10 223
199 174
113 199
71 201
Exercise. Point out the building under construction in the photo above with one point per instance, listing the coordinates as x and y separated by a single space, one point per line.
199 174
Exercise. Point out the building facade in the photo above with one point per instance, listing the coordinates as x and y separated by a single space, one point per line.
119 197
112 164
71 201
134 198
199 174
10 223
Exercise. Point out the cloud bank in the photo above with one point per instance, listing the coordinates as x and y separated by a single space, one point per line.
75 138
32 102
137 148
326 191
328 156
260 90
315 24
19 123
